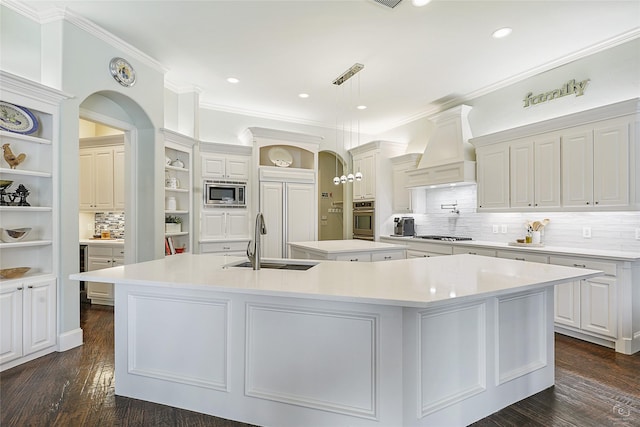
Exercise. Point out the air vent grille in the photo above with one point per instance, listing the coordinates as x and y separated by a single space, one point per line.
388 3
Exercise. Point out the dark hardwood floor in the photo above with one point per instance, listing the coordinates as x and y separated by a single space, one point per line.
594 387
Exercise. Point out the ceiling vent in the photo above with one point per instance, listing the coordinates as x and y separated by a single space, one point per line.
388 3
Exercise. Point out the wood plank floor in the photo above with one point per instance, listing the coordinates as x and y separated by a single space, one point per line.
594 387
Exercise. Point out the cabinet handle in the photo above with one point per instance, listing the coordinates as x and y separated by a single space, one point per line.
519 259
30 286
387 257
20 288
354 259
597 203
580 265
587 202
473 253
226 247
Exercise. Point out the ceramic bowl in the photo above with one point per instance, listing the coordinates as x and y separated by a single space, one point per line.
11 235
13 273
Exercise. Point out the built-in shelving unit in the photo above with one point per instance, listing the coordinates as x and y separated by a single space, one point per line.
179 148
29 303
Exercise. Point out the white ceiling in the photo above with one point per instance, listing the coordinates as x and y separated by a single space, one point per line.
416 59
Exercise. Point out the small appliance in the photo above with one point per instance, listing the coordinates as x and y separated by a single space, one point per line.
224 194
404 226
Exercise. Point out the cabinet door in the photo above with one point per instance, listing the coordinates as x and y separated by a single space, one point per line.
401 194
271 206
11 323
87 180
104 178
301 213
598 306
493 176
611 165
213 225
98 263
354 257
388 256
237 168
369 176
567 304
521 166
358 186
39 316
118 178
213 166
577 168
547 173
237 224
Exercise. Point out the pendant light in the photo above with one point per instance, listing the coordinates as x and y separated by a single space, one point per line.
353 70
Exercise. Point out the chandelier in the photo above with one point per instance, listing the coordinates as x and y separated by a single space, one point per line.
352 71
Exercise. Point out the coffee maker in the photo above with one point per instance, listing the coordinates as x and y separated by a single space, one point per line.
403 226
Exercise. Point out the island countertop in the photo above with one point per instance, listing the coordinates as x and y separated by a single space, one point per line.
418 282
344 246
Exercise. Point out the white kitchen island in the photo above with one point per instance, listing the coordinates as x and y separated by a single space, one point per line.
417 342
347 250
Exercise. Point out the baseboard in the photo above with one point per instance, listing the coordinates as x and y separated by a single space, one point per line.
69 340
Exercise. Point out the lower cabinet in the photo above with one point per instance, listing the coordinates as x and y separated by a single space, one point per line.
220 224
28 320
103 257
235 248
588 305
474 251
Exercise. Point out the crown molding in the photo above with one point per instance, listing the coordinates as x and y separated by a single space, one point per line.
181 88
55 14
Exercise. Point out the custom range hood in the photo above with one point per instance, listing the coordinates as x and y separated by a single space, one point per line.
448 158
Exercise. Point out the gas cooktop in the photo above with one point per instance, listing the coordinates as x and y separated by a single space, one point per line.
445 238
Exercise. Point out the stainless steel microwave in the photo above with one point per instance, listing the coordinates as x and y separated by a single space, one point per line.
225 194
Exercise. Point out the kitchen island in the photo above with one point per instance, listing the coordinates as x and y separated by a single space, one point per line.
347 250
414 342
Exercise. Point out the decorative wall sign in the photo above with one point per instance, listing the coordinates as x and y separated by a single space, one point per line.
569 88
122 71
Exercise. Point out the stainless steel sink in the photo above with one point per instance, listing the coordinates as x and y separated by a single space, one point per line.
277 265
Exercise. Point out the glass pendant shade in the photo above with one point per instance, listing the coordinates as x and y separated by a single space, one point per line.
336 180
358 176
343 179
350 177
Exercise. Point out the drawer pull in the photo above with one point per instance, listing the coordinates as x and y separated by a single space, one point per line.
520 259
353 259
20 288
580 265
473 253
388 257
30 286
226 247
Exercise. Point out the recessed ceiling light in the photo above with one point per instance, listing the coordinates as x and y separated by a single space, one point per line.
361 107
232 80
303 95
420 3
501 32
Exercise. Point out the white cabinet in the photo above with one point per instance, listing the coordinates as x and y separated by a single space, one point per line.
178 188
366 164
401 201
493 176
28 320
535 172
473 251
588 305
101 170
523 256
289 210
99 257
220 224
225 166
595 165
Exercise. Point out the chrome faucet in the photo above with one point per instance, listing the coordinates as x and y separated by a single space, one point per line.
260 229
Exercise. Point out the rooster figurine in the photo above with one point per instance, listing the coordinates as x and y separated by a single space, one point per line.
11 158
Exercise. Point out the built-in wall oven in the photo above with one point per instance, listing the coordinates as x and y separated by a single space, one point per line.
364 220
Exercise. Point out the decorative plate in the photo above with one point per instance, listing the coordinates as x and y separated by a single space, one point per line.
122 71
280 157
17 119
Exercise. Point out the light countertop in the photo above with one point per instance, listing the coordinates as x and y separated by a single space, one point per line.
550 250
418 282
344 246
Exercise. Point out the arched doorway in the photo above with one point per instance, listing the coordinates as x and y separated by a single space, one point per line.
331 224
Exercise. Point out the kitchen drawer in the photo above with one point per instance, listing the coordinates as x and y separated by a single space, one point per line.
432 248
543 259
608 267
354 257
473 251
224 247
388 256
421 254
100 251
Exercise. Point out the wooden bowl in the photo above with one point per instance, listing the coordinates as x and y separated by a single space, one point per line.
13 273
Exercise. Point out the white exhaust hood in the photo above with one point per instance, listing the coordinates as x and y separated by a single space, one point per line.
448 158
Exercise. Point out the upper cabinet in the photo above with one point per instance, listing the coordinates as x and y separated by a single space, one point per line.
365 163
595 167
402 200
101 164
588 160
225 166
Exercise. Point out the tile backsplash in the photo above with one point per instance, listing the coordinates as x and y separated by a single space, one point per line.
609 230
112 221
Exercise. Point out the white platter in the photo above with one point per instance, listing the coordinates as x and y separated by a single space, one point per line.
280 157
